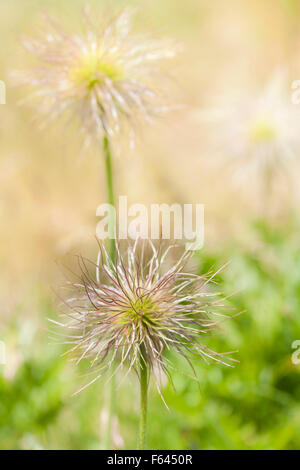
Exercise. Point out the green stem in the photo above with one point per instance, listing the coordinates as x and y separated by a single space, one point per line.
112 254
110 197
144 403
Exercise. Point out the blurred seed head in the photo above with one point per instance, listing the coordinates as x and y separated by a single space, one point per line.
258 135
108 77
136 310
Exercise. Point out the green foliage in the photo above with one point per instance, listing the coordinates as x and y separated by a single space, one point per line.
254 405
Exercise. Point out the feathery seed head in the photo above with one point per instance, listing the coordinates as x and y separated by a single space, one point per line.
137 310
109 77
258 135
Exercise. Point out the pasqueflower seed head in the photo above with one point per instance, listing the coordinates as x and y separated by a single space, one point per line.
108 77
258 135
136 310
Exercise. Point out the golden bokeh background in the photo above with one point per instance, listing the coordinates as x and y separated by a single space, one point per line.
50 189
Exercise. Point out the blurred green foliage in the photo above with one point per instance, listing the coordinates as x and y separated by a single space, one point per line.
252 406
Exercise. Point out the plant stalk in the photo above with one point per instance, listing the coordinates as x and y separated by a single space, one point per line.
112 254
144 404
110 198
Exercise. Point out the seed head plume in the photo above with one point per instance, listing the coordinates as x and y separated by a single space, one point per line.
108 77
136 310
258 136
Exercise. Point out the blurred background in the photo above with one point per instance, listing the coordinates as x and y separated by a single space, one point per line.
212 151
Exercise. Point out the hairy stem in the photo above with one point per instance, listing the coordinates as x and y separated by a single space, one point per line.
110 198
144 403
112 254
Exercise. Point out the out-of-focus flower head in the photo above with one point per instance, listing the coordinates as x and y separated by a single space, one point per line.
259 135
108 77
137 309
